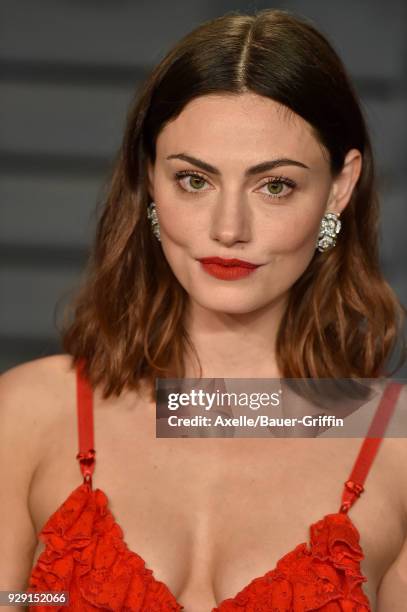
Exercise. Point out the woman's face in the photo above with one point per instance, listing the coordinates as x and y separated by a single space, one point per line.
212 201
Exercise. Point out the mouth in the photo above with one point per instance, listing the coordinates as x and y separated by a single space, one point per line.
228 269
220 261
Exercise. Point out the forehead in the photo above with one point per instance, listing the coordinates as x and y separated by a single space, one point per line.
231 125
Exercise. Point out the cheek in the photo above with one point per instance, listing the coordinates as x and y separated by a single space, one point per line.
290 231
179 231
178 224
289 237
180 221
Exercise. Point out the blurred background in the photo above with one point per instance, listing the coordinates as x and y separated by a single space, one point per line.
68 69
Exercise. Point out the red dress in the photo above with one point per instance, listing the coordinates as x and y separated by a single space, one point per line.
86 555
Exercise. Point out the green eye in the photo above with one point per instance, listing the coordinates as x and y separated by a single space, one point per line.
196 182
278 187
275 188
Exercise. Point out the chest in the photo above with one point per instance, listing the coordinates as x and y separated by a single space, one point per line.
209 515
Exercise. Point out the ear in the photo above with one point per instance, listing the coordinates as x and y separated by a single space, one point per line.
345 182
150 179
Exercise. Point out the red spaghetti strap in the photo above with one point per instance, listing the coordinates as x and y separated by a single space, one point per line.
84 397
354 485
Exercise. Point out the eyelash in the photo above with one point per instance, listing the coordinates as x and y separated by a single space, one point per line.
275 180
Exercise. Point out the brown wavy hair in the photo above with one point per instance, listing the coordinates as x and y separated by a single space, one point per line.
342 320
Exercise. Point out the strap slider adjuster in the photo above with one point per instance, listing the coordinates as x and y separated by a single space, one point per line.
87 465
355 487
87 458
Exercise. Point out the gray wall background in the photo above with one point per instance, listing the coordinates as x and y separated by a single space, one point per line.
67 71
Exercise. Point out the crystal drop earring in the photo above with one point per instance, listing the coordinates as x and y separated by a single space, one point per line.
152 215
329 229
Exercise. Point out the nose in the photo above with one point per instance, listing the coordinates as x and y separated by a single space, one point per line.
231 220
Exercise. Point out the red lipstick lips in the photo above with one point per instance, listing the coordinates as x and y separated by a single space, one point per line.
227 269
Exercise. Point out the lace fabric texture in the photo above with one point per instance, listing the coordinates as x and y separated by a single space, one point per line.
85 554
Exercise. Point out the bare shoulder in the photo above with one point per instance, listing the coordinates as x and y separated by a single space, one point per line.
395 454
398 424
38 379
35 370
392 593
398 432
31 403
31 396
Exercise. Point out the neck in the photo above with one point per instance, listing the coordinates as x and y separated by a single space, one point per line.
234 345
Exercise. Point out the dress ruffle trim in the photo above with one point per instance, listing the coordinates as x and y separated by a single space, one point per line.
85 554
324 576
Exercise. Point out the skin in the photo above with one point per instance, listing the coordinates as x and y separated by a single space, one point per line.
232 507
228 215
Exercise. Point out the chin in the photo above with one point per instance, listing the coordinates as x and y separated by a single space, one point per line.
229 304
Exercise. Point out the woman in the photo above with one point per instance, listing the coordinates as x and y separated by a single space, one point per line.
246 142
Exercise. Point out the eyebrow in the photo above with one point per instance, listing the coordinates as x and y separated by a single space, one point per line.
257 169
